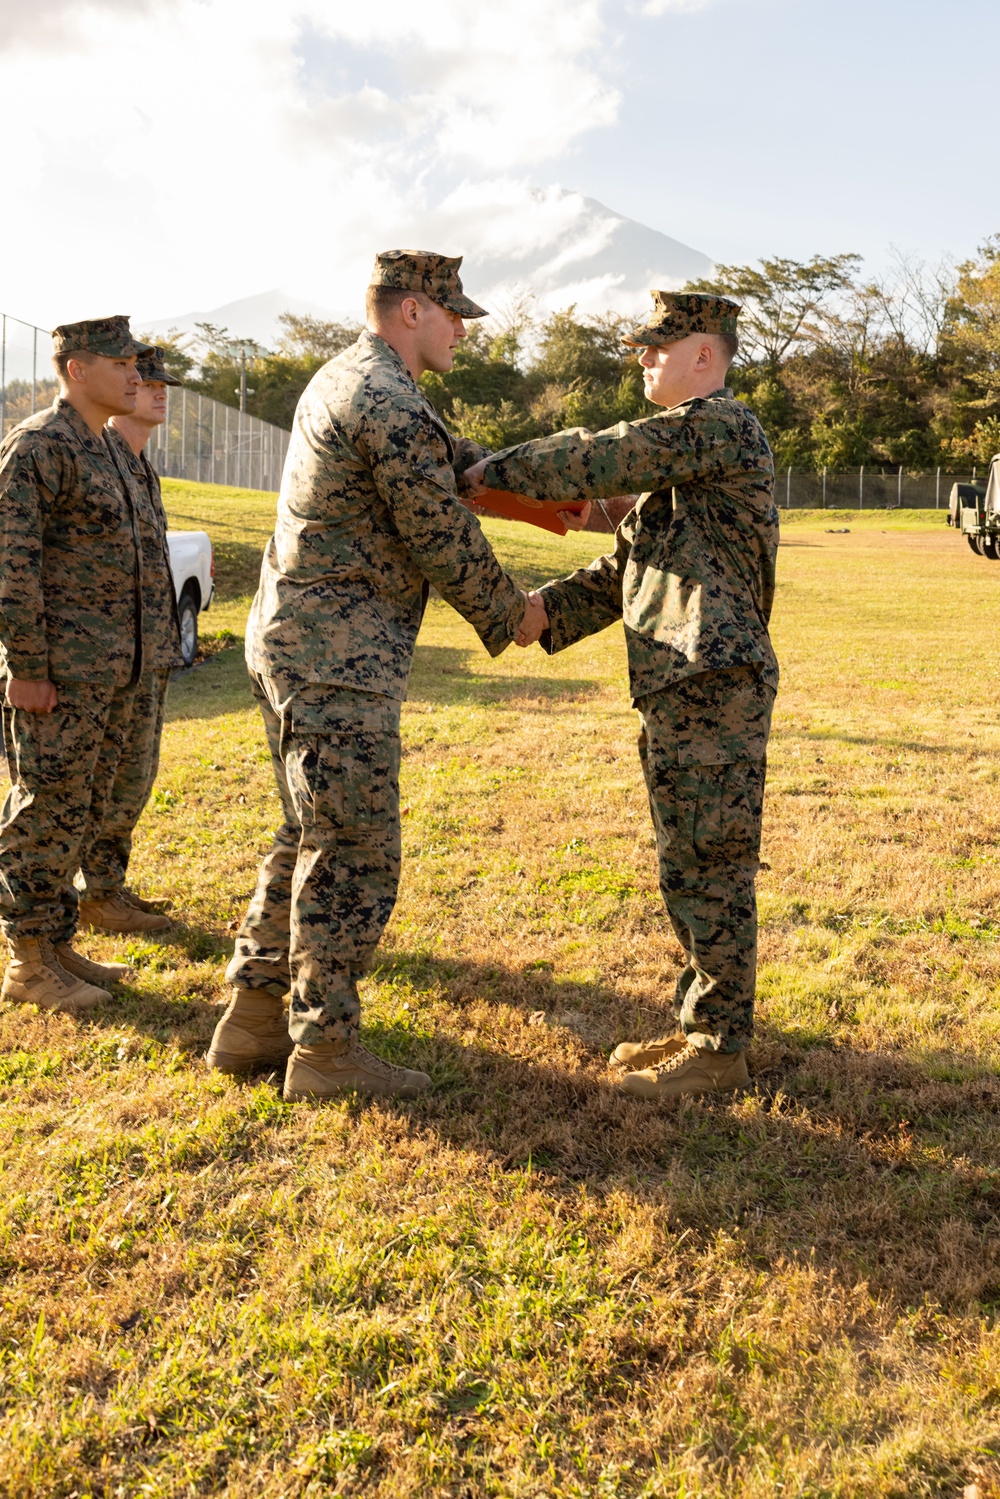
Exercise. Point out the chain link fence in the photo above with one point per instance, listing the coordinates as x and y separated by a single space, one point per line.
211 443
868 489
201 440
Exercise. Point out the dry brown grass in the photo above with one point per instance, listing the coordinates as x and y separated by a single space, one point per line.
526 1284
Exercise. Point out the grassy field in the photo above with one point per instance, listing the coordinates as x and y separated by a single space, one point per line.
525 1284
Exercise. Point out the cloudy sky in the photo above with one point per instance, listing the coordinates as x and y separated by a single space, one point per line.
172 154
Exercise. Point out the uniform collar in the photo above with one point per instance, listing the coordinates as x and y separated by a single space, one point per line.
377 345
78 426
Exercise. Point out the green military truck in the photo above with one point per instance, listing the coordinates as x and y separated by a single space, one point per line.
974 509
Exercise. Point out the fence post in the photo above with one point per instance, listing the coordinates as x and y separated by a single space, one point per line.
861 488
824 486
899 489
937 490
184 433
34 367
166 438
788 488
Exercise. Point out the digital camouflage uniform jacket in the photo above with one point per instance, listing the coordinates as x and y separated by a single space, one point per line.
368 518
161 631
692 573
71 581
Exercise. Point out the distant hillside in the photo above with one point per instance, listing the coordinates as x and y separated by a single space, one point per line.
598 259
250 317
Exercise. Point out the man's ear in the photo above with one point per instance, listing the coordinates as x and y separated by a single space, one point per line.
706 355
409 309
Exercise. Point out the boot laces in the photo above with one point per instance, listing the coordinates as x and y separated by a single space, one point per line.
373 1063
49 956
671 1064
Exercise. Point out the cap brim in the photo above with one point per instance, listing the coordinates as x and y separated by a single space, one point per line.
647 338
163 379
136 348
464 307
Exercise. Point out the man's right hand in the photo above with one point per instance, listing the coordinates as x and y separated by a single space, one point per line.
536 619
31 697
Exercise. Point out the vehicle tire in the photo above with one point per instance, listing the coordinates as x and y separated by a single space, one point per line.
187 612
974 544
991 548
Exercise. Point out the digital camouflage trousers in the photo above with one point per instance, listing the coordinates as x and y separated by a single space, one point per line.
703 747
63 768
122 787
328 885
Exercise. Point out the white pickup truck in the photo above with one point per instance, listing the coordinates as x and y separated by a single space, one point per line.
192 566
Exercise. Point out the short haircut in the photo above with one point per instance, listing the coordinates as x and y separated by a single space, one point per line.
61 361
382 301
730 343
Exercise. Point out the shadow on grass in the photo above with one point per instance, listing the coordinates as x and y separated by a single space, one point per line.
448 674
441 674
877 1166
888 742
212 688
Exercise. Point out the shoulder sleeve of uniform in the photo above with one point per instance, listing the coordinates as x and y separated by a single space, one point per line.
410 460
695 440
30 478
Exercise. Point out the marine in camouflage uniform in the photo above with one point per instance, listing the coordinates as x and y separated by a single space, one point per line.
71 615
692 577
368 519
128 764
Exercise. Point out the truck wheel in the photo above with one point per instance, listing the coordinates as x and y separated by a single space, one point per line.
991 548
187 611
974 544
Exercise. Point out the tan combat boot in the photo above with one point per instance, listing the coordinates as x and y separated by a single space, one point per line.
337 1066
86 969
637 1054
116 913
156 906
252 1033
35 976
690 1070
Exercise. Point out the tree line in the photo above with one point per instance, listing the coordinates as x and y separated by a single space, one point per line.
896 371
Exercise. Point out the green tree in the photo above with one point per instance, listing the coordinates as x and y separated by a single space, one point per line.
781 300
275 379
177 357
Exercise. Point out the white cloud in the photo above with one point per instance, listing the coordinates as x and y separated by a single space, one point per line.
60 25
184 153
653 8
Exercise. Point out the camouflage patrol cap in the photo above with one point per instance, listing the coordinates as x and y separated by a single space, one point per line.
676 314
152 368
435 275
109 336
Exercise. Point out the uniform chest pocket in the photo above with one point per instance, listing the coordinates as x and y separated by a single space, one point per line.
98 510
346 782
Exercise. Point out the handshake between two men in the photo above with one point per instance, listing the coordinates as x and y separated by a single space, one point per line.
536 619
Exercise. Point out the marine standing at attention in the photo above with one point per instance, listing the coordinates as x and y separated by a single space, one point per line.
368 519
73 646
692 574
123 782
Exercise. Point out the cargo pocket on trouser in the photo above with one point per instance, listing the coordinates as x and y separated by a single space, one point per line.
344 785
717 903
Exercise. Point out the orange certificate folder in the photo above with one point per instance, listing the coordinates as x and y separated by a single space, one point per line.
542 513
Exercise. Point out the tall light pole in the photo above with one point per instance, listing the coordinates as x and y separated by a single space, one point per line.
243 389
